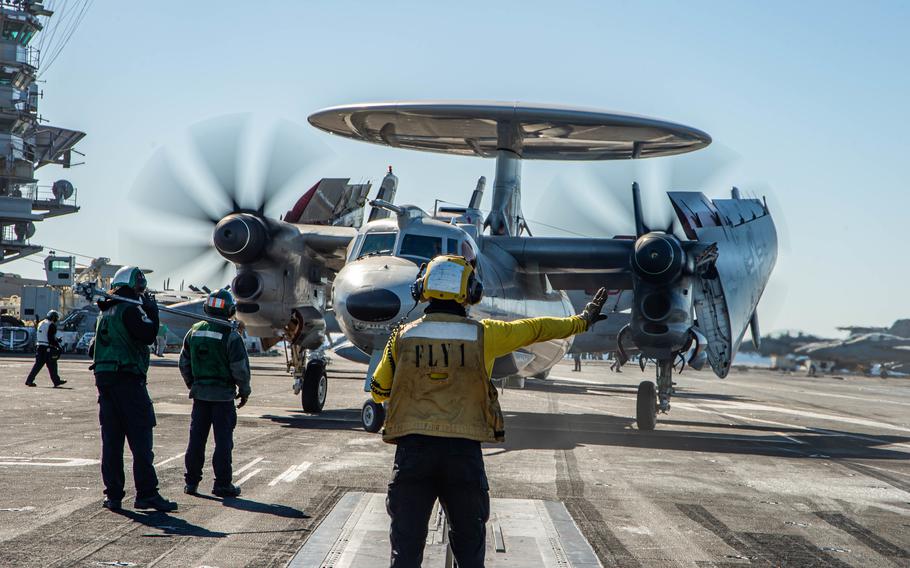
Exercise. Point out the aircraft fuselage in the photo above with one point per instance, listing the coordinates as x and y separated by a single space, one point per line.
372 292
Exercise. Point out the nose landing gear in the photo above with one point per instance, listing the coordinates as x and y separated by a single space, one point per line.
651 399
372 416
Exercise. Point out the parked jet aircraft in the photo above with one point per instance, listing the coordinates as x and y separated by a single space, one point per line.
861 352
717 273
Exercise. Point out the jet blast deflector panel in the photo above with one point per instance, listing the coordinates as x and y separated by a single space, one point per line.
534 132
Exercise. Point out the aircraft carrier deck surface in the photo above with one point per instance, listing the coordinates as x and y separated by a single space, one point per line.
760 469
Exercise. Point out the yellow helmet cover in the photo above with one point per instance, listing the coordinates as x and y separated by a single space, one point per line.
446 278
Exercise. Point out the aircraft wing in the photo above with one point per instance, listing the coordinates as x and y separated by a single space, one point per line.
570 263
746 241
327 217
328 242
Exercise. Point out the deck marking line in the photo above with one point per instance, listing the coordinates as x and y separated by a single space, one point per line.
47 462
275 481
246 477
248 466
168 460
297 470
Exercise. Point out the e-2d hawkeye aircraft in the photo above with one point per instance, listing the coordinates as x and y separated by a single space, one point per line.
701 290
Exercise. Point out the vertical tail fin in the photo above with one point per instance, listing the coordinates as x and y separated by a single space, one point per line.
386 193
477 196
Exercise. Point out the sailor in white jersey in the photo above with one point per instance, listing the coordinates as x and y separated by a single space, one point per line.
48 350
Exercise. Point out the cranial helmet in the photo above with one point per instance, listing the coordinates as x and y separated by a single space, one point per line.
447 277
53 315
131 277
220 303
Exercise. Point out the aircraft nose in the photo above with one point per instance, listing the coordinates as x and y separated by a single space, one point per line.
373 305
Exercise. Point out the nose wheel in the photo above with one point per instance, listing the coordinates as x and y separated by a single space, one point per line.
652 399
372 416
646 406
315 387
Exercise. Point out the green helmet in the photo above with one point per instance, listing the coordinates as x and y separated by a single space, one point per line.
220 303
129 276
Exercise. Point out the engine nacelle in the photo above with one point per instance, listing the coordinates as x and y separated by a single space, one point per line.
241 237
662 288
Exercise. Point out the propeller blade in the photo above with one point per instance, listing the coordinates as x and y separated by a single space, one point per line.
588 205
640 228
709 171
166 257
218 143
219 276
158 187
290 152
569 208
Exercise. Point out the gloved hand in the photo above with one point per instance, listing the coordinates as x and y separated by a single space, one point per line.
149 305
243 399
591 314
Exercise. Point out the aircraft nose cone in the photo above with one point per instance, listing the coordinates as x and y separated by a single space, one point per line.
657 256
240 237
373 305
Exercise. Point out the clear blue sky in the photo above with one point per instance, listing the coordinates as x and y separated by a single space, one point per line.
811 95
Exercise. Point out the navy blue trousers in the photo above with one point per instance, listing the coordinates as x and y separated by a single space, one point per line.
126 413
451 470
221 417
44 356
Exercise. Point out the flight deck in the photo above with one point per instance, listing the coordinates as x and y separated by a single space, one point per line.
760 469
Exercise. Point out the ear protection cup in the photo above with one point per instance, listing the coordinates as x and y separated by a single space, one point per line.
417 285
232 311
475 289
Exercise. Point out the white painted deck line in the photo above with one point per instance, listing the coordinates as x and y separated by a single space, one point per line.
170 459
243 479
248 466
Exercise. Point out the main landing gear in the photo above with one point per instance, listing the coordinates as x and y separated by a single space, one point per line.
310 378
651 399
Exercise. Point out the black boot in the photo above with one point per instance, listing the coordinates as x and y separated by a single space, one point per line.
228 490
156 502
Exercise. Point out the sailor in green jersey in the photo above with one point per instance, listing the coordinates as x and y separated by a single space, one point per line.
216 369
121 360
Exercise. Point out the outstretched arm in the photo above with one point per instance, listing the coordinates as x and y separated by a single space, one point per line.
501 338
381 383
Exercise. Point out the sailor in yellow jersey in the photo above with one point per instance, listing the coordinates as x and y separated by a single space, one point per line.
435 375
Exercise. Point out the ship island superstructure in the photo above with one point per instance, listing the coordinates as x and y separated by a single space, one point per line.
26 141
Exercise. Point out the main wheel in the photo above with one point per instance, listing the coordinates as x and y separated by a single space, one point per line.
646 406
315 387
372 416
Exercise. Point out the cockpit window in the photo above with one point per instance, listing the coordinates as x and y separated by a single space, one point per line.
451 246
377 244
421 246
